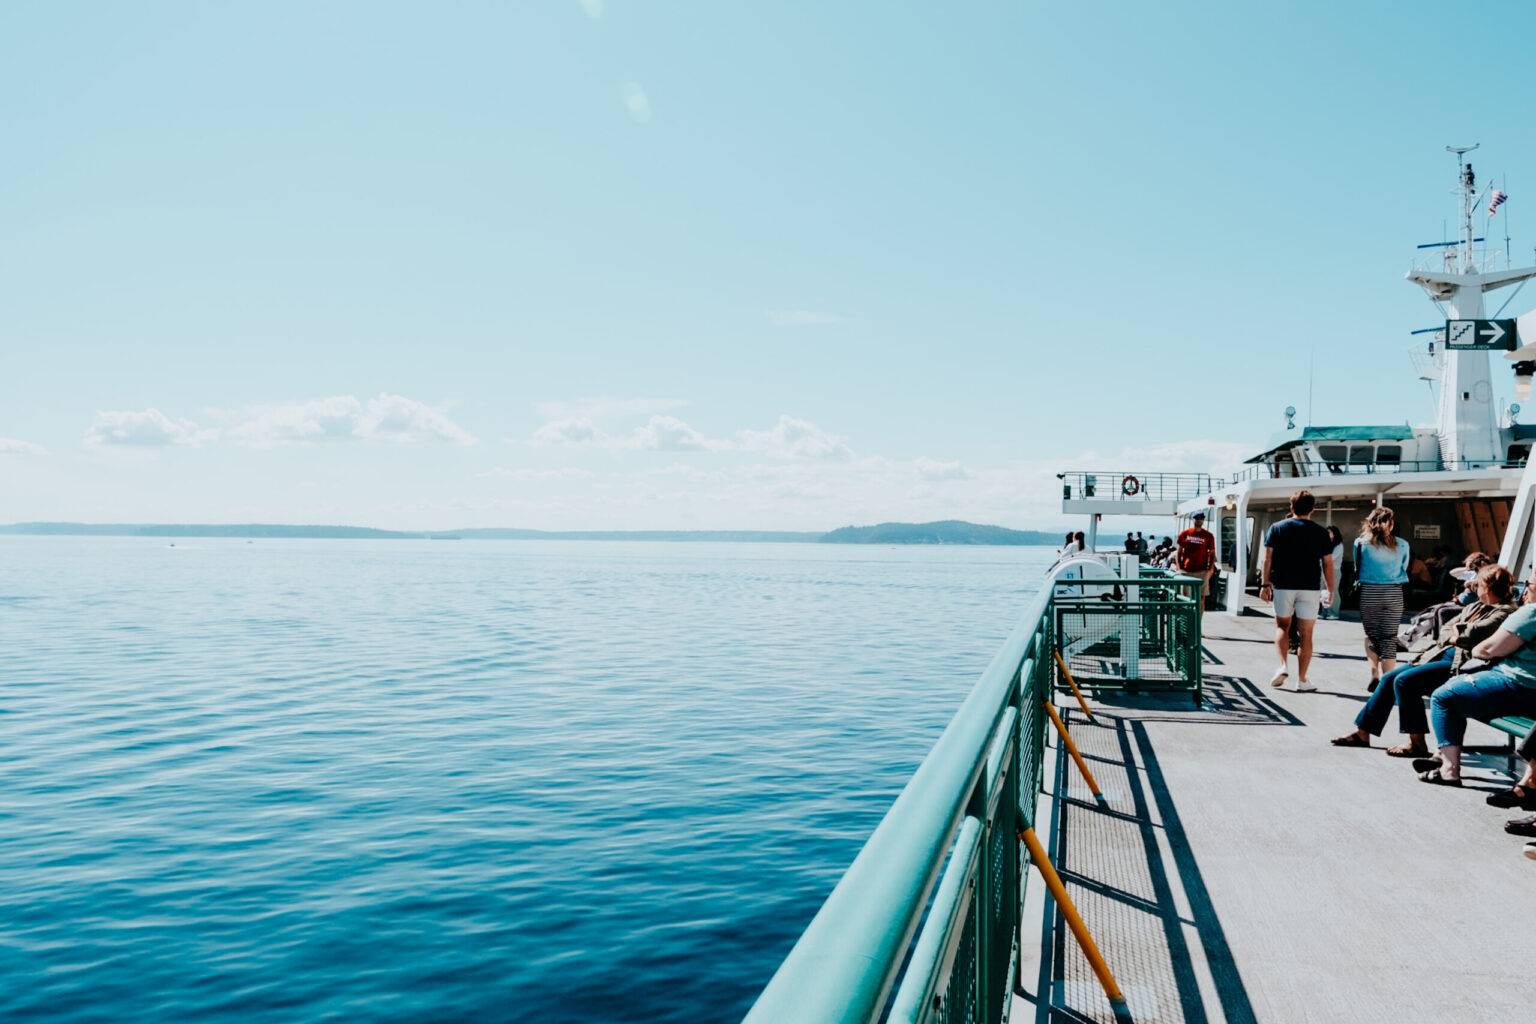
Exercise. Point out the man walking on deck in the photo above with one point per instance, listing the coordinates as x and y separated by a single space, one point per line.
1196 554
1298 571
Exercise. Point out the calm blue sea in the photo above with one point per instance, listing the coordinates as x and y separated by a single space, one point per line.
453 781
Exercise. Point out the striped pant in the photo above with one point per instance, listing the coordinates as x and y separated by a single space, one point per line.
1381 613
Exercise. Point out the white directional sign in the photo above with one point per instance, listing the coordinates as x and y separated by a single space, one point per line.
1484 335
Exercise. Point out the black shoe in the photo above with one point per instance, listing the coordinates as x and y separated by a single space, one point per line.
1516 796
1425 764
1521 826
1372 688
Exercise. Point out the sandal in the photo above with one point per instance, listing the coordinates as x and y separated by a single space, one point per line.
1425 764
1434 778
1521 827
1514 796
1410 750
1354 739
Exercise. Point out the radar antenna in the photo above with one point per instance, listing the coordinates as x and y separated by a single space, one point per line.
1468 189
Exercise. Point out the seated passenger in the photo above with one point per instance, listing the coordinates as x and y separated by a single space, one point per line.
1431 620
1435 661
1418 573
1523 794
1508 688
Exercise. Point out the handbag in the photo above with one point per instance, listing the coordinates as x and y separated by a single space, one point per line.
1352 588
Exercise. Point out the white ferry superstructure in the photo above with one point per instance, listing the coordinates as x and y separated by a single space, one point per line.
1452 484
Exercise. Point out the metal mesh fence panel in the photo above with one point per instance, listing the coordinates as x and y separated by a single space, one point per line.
1151 643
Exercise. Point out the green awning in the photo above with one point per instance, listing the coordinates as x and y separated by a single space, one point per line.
1282 441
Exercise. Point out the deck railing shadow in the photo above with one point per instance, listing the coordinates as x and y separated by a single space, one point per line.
1267 642
1147 941
1227 700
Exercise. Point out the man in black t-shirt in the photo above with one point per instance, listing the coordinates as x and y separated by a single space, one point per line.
1298 572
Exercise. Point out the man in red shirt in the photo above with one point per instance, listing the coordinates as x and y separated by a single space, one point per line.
1196 553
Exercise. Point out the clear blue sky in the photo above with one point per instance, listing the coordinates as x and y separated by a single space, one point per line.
652 264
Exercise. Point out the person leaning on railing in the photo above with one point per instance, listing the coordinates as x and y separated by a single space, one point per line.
1506 689
1433 661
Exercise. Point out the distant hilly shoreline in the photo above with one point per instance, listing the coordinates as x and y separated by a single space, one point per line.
949 531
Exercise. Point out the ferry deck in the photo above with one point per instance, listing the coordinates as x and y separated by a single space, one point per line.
1245 870
1227 865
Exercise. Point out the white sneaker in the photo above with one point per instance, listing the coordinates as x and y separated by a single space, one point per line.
1280 676
1302 686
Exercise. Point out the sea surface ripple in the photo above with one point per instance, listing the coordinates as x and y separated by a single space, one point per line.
453 781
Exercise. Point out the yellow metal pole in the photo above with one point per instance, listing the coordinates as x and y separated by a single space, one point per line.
1082 766
1075 922
1073 684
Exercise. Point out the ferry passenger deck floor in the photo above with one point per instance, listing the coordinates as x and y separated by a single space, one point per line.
1247 871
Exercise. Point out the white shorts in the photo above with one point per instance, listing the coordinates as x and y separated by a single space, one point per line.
1303 604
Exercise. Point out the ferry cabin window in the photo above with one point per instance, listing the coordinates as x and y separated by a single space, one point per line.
1285 466
1334 455
1228 541
1361 454
1518 453
1389 455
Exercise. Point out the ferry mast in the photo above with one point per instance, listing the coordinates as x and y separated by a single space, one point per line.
1466 419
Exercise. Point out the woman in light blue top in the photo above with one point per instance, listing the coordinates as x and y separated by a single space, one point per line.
1381 565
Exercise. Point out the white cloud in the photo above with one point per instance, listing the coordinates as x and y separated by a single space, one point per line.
405 420
150 428
579 430
933 469
637 102
805 318
598 409
322 419
592 8
11 446
563 473
658 434
386 418
793 438
789 438
670 434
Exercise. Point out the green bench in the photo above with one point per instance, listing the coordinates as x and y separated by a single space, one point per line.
1517 728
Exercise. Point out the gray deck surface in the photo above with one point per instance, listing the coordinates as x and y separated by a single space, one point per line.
1248 871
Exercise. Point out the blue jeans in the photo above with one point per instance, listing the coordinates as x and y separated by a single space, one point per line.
1481 695
1407 687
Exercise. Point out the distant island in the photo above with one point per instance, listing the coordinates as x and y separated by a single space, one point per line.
949 531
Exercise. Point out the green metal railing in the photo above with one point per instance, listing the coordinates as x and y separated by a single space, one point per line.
924 925
1343 467
1146 640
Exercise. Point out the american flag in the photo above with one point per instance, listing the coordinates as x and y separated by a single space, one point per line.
1496 201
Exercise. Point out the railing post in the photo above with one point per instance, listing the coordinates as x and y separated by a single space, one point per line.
1080 931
